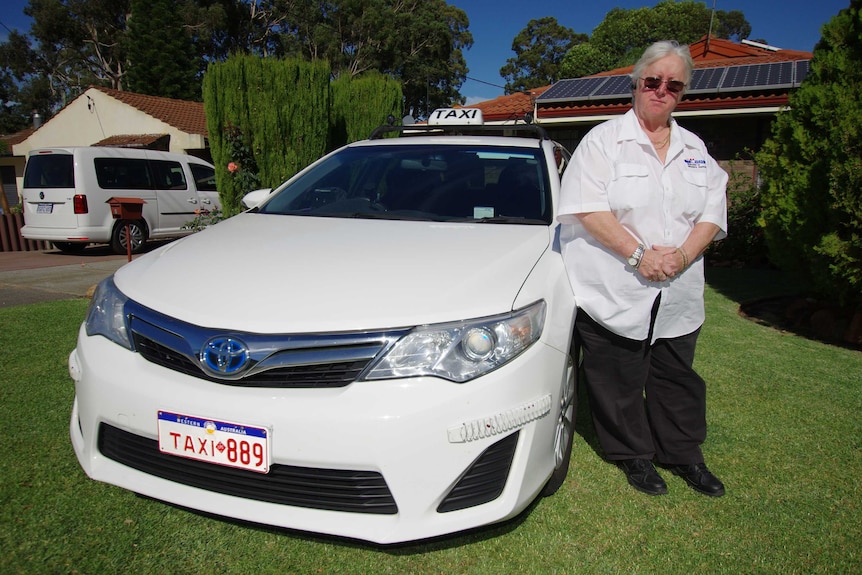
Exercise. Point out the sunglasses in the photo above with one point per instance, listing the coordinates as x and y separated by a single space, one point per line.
652 83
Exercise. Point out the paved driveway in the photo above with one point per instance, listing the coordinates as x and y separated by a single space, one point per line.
32 277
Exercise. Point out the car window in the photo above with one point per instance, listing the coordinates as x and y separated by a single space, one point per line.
428 182
123 174
168 175
204 176
50 171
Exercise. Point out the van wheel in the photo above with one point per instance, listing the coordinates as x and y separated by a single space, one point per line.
70 247
137 233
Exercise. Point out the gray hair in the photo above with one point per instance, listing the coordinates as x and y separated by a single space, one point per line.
659 50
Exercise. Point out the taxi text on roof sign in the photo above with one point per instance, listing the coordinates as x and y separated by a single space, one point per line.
456 117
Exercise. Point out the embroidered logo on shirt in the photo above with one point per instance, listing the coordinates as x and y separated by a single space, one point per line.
692 163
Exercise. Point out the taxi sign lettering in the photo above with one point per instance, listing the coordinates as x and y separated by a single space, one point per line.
455 116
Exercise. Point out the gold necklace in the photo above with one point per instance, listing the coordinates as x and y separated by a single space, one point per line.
663 142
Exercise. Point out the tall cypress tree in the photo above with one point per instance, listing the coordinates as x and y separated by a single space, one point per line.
162 60
267 113
361 104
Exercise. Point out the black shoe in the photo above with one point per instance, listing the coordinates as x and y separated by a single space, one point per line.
642 476
699 478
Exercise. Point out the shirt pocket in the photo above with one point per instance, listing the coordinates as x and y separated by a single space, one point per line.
693 193
629 187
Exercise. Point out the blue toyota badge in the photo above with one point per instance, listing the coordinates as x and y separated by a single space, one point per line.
224 356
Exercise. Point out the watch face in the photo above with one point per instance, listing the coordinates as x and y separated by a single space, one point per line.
633 262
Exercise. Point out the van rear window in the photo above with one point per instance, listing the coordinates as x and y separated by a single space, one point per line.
49 171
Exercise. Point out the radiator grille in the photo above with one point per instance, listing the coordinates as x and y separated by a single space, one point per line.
332 374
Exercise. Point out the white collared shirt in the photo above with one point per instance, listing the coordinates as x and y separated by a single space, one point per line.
615 168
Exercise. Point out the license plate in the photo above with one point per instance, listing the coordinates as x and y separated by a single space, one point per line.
44 208
220 442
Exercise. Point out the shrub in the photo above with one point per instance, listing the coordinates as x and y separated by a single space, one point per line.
745 243
812 167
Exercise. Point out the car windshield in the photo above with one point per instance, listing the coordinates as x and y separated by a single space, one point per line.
423 182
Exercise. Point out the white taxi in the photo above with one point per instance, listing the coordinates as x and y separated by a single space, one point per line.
380 349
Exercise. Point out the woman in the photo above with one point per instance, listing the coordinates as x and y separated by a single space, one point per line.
640 203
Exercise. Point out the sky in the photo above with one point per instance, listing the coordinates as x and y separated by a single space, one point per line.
789 24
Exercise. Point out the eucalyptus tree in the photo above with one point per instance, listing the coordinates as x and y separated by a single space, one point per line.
623 35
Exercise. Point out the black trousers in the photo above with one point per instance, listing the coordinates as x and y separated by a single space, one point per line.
647 400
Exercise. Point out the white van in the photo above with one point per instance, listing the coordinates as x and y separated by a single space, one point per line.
66 193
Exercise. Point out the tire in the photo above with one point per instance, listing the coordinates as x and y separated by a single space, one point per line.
70 247
137 231
565 430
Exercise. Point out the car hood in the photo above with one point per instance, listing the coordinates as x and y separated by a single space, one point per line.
287 274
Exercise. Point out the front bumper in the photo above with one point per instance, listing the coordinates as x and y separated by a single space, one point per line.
419 435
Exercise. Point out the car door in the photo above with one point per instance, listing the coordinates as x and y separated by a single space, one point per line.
205 183
178 200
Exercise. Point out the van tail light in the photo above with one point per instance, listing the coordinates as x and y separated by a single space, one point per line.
80 203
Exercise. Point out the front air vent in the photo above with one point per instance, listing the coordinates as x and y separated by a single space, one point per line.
485 479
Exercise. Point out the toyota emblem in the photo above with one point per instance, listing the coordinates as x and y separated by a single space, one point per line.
224 356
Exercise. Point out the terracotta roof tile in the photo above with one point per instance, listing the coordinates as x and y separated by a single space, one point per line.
181 114
720 52
131 140
511 106
17 137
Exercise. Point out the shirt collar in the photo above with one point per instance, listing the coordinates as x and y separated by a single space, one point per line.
631 130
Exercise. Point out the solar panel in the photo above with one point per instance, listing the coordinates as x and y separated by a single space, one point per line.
802 68
615 87
570 90
772 75
706 80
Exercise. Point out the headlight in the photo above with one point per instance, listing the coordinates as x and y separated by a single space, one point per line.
464 350
106 316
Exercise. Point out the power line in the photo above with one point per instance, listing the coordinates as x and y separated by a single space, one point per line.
484 82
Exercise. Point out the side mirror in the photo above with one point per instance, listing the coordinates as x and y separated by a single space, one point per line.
253 199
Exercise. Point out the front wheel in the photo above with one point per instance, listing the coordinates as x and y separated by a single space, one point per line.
136 232
565 431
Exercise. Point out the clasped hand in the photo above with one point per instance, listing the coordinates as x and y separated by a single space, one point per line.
660 263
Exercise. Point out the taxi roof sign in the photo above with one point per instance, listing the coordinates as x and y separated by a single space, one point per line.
456 117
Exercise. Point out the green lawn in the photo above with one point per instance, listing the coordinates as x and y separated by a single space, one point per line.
785 437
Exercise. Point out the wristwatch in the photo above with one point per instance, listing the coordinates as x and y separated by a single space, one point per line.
634 260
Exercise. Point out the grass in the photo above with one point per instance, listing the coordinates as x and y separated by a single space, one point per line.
785 437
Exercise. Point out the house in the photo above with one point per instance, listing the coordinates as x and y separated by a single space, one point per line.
11 169
106 117
735 93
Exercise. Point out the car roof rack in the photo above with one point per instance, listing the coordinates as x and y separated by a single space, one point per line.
517 130
462 121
